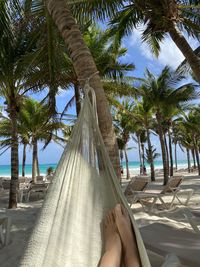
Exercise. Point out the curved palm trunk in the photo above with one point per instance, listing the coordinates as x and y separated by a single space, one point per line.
139 151
14 161
163 149
151 156
171 155
127 168
175 154
24 160
34 161
194 160
185 48
188 160
85 67
167 151
77 97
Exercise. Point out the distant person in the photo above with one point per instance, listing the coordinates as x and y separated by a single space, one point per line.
144 170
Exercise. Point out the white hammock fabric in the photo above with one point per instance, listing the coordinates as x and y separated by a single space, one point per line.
84 189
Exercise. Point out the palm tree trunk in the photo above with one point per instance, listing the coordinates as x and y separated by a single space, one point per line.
38 166
139 151
127 168
197 155
171 154
142 147
14 161
85 68
151 156
24 160
175 153
188 159
163 149
185 48
194 160
167 151
34 161
77 97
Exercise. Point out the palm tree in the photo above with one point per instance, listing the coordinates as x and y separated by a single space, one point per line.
35 120
191 124
160 93
16 45
143 114
124 126
106 57
85 69
162 17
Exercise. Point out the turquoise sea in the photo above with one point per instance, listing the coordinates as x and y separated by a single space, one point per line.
134 167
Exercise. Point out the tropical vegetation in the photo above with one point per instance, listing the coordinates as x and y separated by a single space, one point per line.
54 45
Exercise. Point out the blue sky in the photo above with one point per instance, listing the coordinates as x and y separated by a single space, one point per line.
141 56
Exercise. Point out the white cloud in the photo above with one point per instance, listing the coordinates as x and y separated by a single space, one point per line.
169 54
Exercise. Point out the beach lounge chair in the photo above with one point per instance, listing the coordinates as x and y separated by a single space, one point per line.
5 224
38 189
164 239
135 185
171 189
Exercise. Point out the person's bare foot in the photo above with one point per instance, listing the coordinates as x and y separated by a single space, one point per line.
113 245
122 220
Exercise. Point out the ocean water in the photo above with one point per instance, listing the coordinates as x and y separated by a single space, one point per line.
134 167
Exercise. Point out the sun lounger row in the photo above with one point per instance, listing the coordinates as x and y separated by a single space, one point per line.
137 191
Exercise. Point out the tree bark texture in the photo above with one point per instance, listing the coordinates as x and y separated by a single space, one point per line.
139 151
24 160
194 160
175 155
77 97
151 156
163 149
14 160
85 67
171 155
188 160
127 168
34 161
38 166
167 151
183 45
196 150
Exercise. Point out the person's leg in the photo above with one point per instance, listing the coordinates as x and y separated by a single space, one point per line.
131 255
113 246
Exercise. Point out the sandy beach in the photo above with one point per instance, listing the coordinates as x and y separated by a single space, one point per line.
24 217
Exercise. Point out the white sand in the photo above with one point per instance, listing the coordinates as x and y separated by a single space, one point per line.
24 217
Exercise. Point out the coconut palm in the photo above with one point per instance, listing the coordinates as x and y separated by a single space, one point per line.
35 120
16 44
124 125
161 17
143 114
85 69
160 93
191 124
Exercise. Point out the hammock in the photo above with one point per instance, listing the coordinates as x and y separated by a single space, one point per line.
84 189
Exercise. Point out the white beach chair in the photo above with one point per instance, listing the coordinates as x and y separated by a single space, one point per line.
135 186
5 224
171 189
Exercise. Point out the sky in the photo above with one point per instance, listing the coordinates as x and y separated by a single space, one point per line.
139 54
